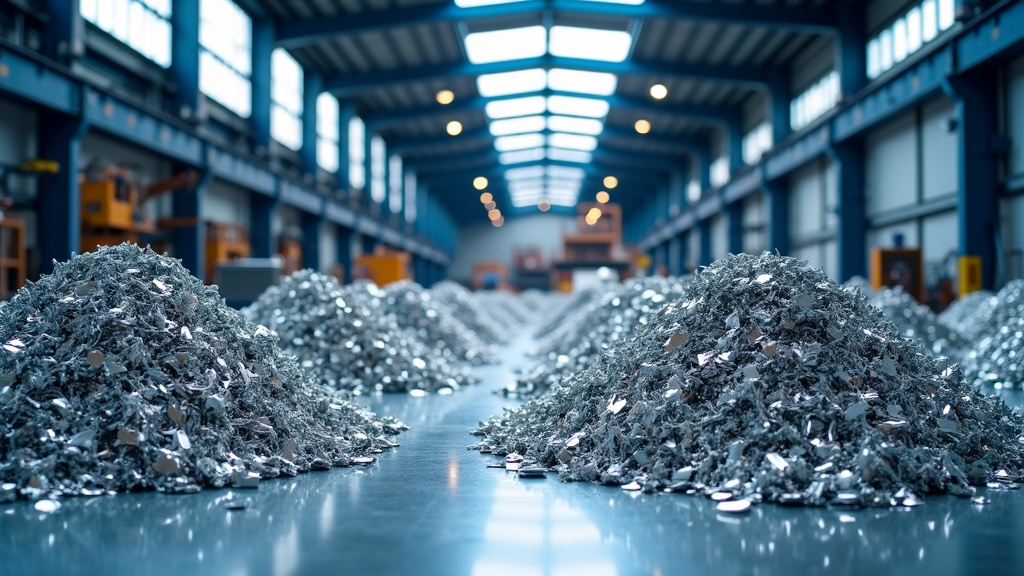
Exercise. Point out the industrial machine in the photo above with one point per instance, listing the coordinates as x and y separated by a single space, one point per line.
490 276
225 242
13 246
597 243
903 267
531 269
114 207
289 249
384 266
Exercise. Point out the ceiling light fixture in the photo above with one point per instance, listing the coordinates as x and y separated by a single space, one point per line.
486 197
445 97
603 197
494 214
610 182
659 92
543 205
479 182
642 126
454 128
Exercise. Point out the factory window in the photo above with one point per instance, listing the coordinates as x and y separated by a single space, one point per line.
720 172
144 25
286 99
395 181
810 105
907 34
378 169
327 132
225 55
756 143
410 197
356 153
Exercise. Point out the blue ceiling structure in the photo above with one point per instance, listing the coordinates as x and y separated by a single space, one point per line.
389 59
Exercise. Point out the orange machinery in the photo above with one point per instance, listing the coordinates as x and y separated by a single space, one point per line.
224 242
13 266
114 208
290 250
490 276
892 267
385 267
596 243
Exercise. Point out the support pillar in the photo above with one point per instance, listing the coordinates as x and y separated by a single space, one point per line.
704 229
368 244
851 234
779 101
312 226
262 49
346 111
190 241
65 39
851 58
261 225
777 198
344 250
684 253
734 214
734 141
675 262
312 86
185 56
59 199
979 143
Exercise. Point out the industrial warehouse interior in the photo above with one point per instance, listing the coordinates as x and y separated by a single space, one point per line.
511 287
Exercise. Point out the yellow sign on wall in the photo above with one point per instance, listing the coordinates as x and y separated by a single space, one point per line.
970 274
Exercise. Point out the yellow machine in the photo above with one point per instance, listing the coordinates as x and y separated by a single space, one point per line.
114 208
385 267
224 242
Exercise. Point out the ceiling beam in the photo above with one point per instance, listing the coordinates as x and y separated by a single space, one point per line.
301 32
488 167
347 85
700 112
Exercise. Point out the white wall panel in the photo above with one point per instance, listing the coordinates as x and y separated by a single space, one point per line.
328 247
805 200
1011 213
719 236
754 221
891 165
693 254
883 237
938 150
485 243
1015 115
226 202
286 220
939 237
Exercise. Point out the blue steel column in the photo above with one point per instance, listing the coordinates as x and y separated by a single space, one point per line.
734 213
851 237
851 48
344 250
261 225
65 30
777 198
190 241
702 163
978 178
312 86
368 244
346 111
684 252
185 56
704 229
262 49
675 262
59 199
312 226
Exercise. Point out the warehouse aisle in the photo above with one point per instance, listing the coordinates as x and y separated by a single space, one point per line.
432 507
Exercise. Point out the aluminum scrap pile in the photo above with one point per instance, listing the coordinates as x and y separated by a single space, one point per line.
593 329
346 344
768 381
413 308
860 283
465 308
543 304
572 305
506 305
917 322
122 371
996 359
971 315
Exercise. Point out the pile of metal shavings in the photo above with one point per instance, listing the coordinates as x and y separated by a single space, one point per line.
571 306
971 314
594 329
860 283
768 381
413 308
338 337
505 306
465 308
996 358
918 322
121 371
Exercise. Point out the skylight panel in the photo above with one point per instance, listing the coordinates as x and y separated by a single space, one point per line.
572 141
596 83
527 199
518 142
525 184
631 2
474 3
521 156
517 125
524 172
590 43
516 82
575 125
529 106
565 172
573 106
507 44
564 184
562 155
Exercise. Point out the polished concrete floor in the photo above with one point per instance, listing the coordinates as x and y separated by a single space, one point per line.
432 507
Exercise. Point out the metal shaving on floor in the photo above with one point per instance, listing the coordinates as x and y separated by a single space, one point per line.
999 322
121 371
339 338
971 314
465 308
768 381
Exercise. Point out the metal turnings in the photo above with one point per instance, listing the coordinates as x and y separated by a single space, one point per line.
122 371
344 337
768 381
